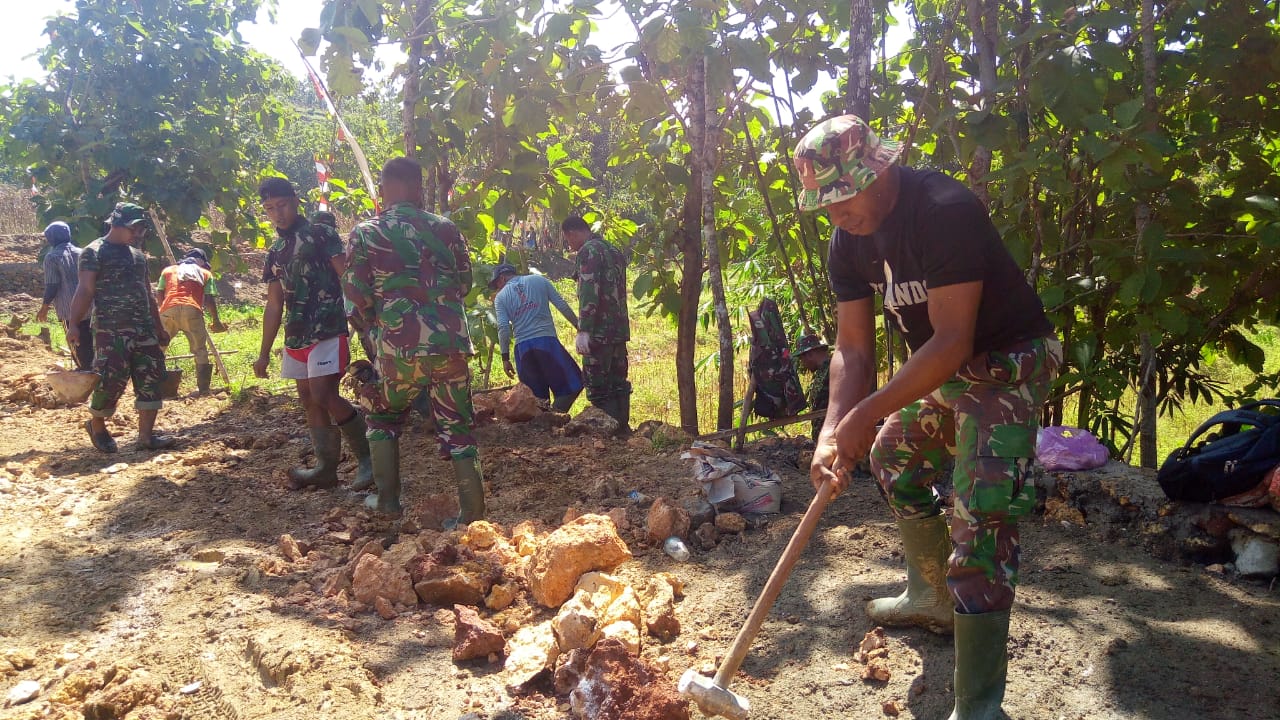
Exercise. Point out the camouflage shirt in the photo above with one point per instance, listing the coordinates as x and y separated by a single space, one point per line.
602 292
408 272
820 387
122 290
301 261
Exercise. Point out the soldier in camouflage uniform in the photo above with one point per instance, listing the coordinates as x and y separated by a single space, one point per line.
128 335
408 272
983 357
815 356
304 291
603 327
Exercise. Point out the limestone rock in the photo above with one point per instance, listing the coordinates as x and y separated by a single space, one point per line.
592 421
23 692
666 520
524 537
657 596
482 535
374 578
401 554
385 610
474 637
615 685
501 596
519 404
588 543
116 701
289 548
731 522
601 606
531 650
569 670
1256 555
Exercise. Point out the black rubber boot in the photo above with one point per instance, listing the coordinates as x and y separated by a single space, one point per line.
470 489
354 430
328 446
204 378
385 455
926 603
982 665
562 403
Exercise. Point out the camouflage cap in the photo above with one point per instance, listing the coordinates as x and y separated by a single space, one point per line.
808 342
127 215
839 158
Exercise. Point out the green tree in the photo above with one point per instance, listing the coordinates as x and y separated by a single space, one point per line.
147 101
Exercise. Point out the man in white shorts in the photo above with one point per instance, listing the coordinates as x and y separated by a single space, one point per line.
304 293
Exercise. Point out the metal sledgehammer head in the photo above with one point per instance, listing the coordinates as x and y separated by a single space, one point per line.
712 699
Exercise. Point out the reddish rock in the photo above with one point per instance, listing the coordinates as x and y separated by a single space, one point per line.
384 609
433 510
615 686
374 578
666 520
588 543
707 536
474 637
518 405
465 584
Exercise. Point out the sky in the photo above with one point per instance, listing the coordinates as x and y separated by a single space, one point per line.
22 35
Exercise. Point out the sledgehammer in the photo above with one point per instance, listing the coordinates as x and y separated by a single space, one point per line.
713 695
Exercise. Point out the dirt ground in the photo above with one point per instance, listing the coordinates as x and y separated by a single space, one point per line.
165 570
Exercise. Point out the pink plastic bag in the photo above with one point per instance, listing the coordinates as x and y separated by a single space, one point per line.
1069 448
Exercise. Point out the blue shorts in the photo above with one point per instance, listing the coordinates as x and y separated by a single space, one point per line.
545 366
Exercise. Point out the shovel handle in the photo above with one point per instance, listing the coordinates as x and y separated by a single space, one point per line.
773 587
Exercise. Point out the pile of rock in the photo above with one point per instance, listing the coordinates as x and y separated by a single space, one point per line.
696 521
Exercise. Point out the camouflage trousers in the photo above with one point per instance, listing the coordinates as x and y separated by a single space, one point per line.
605 371
985 419
446 380
122 355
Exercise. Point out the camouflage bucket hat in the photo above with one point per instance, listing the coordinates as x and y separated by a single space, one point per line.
127 215
838 159
805 343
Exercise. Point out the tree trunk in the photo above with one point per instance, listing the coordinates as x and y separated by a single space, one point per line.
982 20
711 244
861 53
1142 219
690 296
413 78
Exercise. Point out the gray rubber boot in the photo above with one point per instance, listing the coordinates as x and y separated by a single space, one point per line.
386 476
470 489
354 431
327 444
204 378
982 665
926 603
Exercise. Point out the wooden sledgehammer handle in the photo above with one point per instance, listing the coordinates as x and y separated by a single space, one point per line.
773 587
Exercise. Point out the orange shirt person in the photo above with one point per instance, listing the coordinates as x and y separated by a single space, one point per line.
185 290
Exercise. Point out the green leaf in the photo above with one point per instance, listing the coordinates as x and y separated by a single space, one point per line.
1126 112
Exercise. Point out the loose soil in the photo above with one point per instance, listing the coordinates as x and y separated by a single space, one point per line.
165 568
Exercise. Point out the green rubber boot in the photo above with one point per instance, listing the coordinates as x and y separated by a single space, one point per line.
204 378
926 544
385 455
982 664
354 430
470 489
327 444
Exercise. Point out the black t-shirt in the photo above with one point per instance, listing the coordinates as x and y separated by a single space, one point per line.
938 234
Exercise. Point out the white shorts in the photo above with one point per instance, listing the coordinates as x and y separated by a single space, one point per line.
327 357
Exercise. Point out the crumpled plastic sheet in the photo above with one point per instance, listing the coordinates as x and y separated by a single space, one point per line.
734 483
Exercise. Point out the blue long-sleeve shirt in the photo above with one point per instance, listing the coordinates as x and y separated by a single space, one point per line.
524 306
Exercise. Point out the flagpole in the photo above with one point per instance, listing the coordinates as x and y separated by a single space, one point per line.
361 161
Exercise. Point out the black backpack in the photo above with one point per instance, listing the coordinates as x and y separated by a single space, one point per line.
778 391
1228 462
